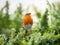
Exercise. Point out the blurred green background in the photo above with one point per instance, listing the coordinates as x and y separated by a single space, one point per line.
45 32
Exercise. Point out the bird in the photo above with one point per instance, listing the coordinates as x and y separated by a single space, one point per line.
27 22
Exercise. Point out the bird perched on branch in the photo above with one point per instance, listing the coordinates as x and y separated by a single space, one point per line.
27 22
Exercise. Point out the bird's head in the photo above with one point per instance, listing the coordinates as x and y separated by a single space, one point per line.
28 13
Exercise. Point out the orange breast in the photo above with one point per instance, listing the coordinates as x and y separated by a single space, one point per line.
27 20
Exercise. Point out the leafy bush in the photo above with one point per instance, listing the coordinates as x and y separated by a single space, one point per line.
45 32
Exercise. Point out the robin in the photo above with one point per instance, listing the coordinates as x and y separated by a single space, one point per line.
27 22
